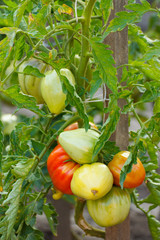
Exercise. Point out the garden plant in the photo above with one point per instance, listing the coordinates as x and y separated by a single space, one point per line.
53 61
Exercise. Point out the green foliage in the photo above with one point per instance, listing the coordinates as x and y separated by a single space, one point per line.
52 33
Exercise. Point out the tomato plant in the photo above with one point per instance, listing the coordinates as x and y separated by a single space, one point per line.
134 178
92 181
63 62
112 209
61 169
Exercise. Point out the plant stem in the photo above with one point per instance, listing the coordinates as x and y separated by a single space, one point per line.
81 222
85 44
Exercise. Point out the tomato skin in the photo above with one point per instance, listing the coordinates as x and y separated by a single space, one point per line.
92 181
111 209
134 178
52 92
79 144
31 85
61 169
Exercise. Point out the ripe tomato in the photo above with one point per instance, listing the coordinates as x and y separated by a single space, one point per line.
112 209
61 169
134 178
92 181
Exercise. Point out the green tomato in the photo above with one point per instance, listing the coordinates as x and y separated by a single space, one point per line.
52 92
9 122
29 84
79 144
92 181
112 209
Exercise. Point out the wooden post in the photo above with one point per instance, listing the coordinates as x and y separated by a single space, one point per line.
119 45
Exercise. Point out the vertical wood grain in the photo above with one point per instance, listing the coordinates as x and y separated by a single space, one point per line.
119 45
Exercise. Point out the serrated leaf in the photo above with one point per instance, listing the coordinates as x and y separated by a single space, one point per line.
10 3
75 100
51 215
96 82
105 64
22 168
120 22
33 71
1 148
132 159
156 108
4 51
22 100
108 128
149 70
106 6
38 147
19 12
125 18
154 226
13 200
10 32
20 46
35 207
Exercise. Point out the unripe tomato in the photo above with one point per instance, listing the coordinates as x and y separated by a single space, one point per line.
92 181
61 169
74 126
134 178
79 144
31 85
51 88
112 209
9 122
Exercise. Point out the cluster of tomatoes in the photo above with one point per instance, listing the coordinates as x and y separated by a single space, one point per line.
70 164
72 172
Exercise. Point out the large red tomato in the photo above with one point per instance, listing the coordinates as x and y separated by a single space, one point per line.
134 178
61 168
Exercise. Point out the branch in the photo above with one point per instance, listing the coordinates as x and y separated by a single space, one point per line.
81 222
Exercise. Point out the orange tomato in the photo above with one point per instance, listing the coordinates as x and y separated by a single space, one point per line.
134 178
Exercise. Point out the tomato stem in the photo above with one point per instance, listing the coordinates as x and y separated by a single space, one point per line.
81 222
85 43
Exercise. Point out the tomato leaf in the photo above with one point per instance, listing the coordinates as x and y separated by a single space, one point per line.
132 159
75 100
51 215
1 149
22 168
13 199
10 3
19 12
33 71
108 128
105 64
22 100
154 226
106 6
124 18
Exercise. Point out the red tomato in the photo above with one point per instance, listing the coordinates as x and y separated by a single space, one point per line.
61 169
134 178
